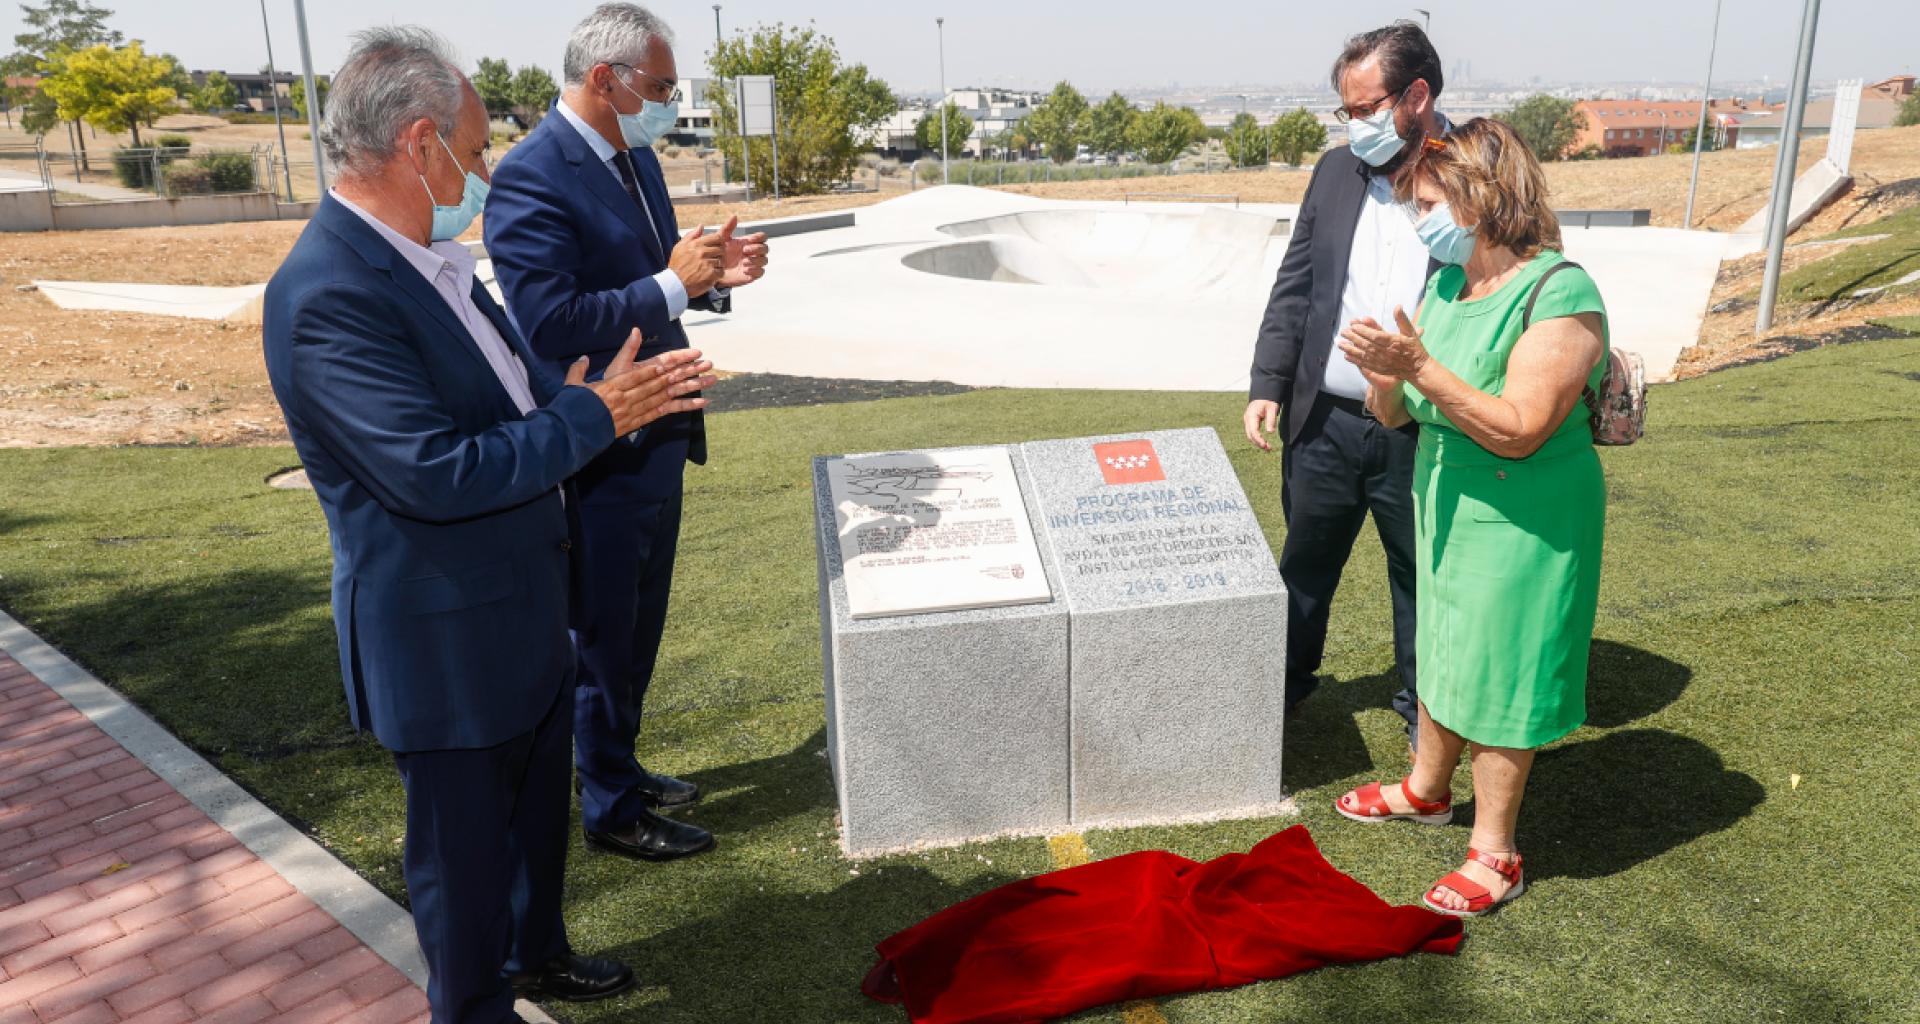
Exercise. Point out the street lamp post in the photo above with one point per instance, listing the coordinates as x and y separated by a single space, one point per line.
273 89
1785 163
940 25
1700 132
716 29
1426 16
314 112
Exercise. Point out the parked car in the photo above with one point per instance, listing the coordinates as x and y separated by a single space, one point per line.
242 108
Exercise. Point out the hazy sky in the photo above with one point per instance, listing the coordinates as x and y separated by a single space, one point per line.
1105 44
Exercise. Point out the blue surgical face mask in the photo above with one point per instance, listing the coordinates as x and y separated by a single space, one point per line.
1447 241
450 221
1375 139
654 119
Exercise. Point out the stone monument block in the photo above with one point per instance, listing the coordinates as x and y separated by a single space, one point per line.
945 649
1178 626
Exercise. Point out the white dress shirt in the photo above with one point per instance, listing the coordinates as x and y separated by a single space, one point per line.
670 284
1388 268
448 267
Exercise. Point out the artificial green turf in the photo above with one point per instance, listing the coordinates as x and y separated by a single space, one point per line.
1757 622
1873 264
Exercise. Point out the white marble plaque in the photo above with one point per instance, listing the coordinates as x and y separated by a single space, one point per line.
934 532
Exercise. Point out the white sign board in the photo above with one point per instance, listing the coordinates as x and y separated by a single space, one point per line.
933 531
756 105
1845 119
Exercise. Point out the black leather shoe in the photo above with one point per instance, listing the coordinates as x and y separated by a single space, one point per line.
659 790
665 791
653 837
573 978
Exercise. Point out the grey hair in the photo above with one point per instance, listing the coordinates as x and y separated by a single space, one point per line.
393 76
612 34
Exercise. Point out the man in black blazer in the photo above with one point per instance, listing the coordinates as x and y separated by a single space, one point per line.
1353 254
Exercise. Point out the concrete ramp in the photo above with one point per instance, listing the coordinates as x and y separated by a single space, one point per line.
1145 252
1822 184
1655 281
193 301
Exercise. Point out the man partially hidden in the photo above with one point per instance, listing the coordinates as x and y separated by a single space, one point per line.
583 238
1353 256
439 447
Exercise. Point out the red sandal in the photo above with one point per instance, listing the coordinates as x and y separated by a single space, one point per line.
1374 809
1479 898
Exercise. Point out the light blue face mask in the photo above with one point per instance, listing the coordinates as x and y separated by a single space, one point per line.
1375 139
654 119
450 221
1447 241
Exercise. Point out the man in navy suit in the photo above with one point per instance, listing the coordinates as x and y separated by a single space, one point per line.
438 446
583 238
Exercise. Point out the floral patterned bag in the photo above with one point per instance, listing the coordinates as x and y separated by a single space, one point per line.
1617 411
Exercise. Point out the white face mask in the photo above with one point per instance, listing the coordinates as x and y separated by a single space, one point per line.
1375 139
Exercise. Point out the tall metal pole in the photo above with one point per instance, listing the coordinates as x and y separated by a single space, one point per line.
1700 132
716 29
941 23
273 89
1426 16
1784 166
314 111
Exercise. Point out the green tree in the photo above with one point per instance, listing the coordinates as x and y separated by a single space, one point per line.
821 106
298 93
926 134
1245 143
533 93
217 95
1011 140
493 80
1547 124
1296 134
1909 112
56 25
1059 122
1712 137
1108 124
1165 132
116 89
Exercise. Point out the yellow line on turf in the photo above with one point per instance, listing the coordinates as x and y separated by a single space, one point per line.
1070 851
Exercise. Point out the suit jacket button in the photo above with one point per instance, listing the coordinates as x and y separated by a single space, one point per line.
1499 474
566 545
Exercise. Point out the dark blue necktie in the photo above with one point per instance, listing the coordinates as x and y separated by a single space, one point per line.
623 162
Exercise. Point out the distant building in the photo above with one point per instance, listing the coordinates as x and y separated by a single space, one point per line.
992 111
1880 104
1643 127
695 125
253 90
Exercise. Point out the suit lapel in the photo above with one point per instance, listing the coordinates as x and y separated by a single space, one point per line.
600 180
539 380
380 255
653 184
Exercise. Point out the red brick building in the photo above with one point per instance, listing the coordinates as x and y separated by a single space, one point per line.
1643 127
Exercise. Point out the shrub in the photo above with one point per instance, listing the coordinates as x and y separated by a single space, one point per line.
134 167
671 152
188 179
173 141
227 172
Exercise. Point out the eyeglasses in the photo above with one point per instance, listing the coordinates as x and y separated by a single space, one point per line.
1345 114
666 85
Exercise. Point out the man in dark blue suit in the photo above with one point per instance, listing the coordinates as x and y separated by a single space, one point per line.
583 238
439 446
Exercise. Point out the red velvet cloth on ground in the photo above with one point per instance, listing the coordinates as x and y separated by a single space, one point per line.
1143 925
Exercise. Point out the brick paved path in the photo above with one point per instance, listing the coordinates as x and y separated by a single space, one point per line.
120 901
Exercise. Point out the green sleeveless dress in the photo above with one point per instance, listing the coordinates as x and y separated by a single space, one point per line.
1509 549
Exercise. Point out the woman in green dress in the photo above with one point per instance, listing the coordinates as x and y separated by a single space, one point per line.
1509 499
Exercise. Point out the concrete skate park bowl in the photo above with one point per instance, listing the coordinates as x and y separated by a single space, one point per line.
993 288
1169 253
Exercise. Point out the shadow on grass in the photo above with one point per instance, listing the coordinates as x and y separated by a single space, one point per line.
786 957
1323 742
239 662
11 521
1626 683
1606 805
748 795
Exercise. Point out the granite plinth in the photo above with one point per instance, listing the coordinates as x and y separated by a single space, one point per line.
943 726
1178 626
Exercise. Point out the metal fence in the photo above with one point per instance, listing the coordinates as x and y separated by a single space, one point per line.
105 174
